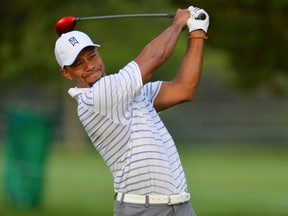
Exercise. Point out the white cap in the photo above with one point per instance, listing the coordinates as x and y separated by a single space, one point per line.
69 45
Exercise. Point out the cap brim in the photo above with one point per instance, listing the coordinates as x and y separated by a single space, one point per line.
76 52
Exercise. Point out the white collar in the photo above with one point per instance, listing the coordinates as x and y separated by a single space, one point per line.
74 92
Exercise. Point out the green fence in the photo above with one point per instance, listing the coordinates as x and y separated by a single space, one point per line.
27 143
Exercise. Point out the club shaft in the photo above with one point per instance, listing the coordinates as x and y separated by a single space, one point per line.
126 16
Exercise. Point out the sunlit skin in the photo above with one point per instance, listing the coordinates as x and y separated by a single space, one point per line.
87 68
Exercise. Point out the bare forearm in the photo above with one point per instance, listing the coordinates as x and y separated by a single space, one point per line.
183 86
189 72
162 47
159 50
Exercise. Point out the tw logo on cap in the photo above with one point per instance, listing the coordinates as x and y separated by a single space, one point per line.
73 41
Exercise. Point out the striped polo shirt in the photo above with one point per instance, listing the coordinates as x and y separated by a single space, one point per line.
118 116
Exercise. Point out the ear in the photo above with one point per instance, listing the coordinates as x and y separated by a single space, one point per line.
65 73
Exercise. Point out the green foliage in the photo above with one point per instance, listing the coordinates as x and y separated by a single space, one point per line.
28 34
25 35
255 35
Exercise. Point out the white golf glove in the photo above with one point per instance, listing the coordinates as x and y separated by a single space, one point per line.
194 22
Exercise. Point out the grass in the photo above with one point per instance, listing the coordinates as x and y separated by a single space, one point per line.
222 181
240 181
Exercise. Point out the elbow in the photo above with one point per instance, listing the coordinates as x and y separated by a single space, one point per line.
188 94
188 98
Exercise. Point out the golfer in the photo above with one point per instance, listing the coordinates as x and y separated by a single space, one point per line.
119 112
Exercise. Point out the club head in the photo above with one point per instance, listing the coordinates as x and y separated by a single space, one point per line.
65 24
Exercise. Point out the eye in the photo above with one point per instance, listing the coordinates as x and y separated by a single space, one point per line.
92 56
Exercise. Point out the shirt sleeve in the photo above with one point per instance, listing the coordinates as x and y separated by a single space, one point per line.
113 94
152 89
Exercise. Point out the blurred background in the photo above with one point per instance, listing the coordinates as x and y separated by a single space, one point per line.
232 138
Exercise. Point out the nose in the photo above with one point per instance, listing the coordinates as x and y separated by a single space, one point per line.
89 65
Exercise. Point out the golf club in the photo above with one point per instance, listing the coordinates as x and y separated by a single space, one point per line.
67 24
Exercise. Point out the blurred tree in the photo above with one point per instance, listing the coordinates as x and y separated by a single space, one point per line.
28 33
255 35
29 72
253 32
24 33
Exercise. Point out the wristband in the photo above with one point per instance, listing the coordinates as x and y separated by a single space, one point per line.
199 37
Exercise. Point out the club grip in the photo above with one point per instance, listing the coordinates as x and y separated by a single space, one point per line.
202 16
170 15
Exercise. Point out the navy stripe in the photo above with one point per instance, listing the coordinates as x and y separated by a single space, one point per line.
149 186
119 147
139 151
141 167
147 180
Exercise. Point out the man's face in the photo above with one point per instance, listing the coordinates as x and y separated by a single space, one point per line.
87 69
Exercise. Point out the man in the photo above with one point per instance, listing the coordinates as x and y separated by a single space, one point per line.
120 114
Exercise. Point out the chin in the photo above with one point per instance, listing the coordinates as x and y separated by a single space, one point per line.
93 82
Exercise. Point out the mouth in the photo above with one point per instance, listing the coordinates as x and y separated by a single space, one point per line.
86 75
